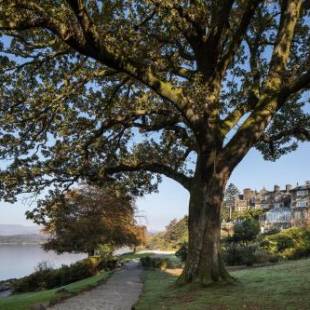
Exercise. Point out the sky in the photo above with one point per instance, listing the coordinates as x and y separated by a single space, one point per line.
158 209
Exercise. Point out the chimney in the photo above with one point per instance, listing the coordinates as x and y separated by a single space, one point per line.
276 188
288 187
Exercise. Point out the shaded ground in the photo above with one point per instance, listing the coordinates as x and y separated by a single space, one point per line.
25 301
279 287
120 292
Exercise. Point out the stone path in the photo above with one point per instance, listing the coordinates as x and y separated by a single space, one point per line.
120 292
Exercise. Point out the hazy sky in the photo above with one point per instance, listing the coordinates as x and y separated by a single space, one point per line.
172 200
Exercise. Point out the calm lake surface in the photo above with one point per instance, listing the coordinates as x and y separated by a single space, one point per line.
20 260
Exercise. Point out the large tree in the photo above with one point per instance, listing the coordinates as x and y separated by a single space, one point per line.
126 90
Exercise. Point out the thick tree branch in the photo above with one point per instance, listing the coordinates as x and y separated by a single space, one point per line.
212 46
233 118
274 97
87 39
281 52
300 83
152 167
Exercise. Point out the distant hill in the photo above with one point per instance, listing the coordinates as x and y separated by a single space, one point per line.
23 239
13 230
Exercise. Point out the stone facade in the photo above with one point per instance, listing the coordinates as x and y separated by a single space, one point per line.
284 208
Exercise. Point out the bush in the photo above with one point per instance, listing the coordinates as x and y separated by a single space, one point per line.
154 262
174 262
246 230
182 252
110 264
292 243
105 251
46 277
237 254
161 262
146 261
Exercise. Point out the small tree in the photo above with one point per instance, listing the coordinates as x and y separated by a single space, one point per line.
83 219
175 234
230 195
253 214
246 230
231 192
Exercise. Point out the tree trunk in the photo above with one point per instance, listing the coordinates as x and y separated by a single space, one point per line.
204 263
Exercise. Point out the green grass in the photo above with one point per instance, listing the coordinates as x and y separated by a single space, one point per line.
26 300
284 286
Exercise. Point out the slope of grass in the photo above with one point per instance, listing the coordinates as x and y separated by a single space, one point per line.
26 300
284 286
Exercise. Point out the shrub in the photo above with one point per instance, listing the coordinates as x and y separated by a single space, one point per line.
246 230
146 261
174 262
161 262
290 243
154 262
232 254
238 254
105 251
274 258
182 252
46 277
110 264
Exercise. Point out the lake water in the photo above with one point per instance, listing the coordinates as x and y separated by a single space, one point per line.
20 260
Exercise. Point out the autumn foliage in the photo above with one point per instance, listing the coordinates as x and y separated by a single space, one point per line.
83 219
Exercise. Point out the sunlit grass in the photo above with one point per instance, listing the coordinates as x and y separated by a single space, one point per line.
284 286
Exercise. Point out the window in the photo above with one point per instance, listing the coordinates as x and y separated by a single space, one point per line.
301 193
301 204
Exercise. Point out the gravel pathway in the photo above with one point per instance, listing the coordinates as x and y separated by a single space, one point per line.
120 292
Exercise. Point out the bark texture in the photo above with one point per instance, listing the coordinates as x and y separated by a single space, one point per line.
204 262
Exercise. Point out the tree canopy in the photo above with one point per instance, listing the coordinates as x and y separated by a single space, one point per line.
84 219
231 192
246 230
92 89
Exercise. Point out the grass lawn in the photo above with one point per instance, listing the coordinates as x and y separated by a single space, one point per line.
284 286
26 300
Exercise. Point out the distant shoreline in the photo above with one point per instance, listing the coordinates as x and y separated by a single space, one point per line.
22 239
21 243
